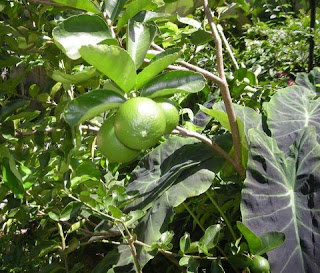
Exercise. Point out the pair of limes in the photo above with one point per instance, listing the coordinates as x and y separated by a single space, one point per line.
138 124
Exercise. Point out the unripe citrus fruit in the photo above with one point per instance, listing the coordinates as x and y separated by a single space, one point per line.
171 113
139 123
109 145
260 265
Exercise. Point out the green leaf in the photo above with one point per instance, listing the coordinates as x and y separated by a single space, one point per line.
174 82
270 241
201 37
139 39
11 176
281 193
80 4
239 261
252 239
216 267
185 242
113 8
289 111
80 30
132 9
117 213
112 61
6 61
157 64
11 107
210 238
78 77
91 104
147 16
311 80
70 211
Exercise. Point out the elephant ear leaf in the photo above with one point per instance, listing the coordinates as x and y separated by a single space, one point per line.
282 193
289 111
91 104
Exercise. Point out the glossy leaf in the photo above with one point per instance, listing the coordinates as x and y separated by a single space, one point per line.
157 65
75 78
289 111
311 80
70 211
113 8
112 61
185 242
252 239
80 4
139 39
173 82
271 240
210 238
147 16
76 31
281 193
132 9
91 104
11 176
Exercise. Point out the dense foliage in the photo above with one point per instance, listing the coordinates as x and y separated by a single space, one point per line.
183 205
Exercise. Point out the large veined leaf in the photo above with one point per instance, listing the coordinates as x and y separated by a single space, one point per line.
113 8
114 62
139 39
180 165
91 104
174 82
289 111
282 193
311 80
78 77
80 30
80 4
157 64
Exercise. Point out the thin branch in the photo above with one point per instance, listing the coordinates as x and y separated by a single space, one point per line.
224 88
228 48
184 132
208 75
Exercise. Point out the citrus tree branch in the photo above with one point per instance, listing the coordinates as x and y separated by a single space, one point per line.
224 88
184 132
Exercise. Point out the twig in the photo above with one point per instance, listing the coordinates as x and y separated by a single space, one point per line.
224 88
133 249
228 48
63 246
184 132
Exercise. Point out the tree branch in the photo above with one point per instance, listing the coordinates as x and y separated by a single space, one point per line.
184 132
224 88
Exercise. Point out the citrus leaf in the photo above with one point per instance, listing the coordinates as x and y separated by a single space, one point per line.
282 193
113 8
173 82
210 238
91 104
157 64
112 61
11 176
79 30
78 77
252 239
80 4
271 240
132 9
139 38
289 111
70 211
185 242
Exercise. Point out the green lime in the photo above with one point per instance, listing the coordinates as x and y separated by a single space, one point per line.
139 123
109 145
171 113
260 265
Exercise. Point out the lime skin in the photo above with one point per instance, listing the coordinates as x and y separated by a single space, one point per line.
260 265
171 113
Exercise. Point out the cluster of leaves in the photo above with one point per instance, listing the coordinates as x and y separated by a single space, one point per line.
64 208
